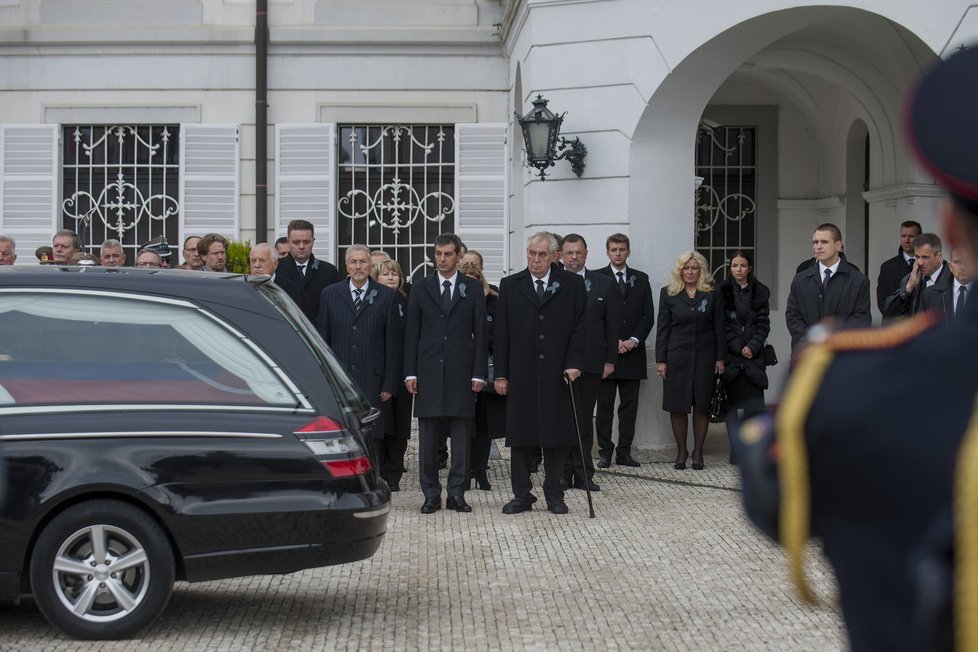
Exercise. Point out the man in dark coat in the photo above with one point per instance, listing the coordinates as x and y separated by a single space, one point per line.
601 327
303 268
263 260
360 322
637 319
830 288
950 298
930 270
893 270
879 467
446 361
539 343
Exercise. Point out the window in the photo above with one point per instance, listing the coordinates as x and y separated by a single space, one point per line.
121 182
75 348
395 190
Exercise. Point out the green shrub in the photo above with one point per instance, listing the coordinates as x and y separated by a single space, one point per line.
237 257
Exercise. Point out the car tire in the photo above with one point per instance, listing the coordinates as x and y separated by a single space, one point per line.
77 587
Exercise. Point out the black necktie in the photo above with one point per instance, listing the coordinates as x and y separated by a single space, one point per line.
621 283
962 294
825 282
446 296
302 270
358 300
910 263
540 290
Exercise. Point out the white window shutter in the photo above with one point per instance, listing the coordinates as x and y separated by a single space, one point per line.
29 172
482 193
210 193
304 184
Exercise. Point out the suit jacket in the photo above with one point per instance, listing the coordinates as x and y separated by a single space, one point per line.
291 288
602 322
847 298
319 274
901 304
637 319
366 341
446 351
535 342
888 282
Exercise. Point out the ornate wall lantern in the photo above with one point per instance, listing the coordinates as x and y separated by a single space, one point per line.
541 137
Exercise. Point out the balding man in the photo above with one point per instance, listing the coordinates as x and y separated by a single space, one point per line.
264 261
8 250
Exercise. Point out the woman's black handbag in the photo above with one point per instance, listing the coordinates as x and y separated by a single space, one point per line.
719 405
770 356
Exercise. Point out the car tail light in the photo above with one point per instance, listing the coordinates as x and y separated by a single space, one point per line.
336 448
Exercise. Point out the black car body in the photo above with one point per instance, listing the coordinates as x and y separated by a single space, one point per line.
199 406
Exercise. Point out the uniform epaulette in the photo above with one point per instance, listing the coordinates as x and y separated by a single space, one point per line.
887 337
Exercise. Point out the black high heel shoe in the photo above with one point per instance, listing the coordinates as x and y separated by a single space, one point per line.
481 481
698 466
680 464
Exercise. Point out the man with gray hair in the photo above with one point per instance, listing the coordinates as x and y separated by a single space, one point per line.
264 261
112 254
538 350
149 258
930 270
8 250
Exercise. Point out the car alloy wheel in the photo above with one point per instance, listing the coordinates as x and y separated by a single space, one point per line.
102 569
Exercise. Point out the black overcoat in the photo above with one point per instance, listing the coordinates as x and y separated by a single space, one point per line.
534 343
888 282
319 274
901 304
690 339
749 327
366 341
847 299
491 407
602 323
940 297
637 318
403 401
445 352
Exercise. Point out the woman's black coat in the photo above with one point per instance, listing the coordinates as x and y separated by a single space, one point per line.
746 325
690 339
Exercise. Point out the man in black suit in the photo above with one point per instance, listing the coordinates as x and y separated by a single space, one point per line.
893 270
601 326
950 298
264 261
302 267
446 360
637 318
360 320
929 271
830 288
538 347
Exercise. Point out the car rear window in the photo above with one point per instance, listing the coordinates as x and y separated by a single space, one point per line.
75 348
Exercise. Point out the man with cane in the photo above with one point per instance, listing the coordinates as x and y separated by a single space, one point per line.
538 354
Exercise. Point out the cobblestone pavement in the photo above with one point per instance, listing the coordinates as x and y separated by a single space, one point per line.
670 563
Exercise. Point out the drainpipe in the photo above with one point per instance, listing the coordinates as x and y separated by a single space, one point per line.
261 121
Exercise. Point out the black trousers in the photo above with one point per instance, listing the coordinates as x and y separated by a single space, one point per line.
553 466
576 466
461 431
390 457
627 391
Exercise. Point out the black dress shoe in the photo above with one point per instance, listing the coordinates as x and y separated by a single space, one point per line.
395 486
431 505
458 504
565 482
604 460
697 466
557 507
586 484
519 505
481 481
626 459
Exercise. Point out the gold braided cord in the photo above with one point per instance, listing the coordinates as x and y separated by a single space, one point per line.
966 540
795 509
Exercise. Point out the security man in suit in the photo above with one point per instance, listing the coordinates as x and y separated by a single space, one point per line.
601 327
637 319
538 350
360 320
304 269
891 493
930 270
446 361
894 269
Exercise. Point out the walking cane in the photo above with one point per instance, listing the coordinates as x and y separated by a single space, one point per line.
580 442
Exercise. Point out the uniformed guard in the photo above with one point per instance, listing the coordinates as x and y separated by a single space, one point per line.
874 446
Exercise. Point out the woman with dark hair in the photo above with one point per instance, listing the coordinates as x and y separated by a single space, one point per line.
747 322
490 408
689 346
391 454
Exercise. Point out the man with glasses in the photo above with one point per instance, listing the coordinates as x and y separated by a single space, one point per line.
191 258
149 258
213 249
8 250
